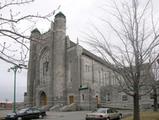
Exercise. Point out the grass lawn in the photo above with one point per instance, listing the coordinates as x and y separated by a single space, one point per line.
147 116
0 117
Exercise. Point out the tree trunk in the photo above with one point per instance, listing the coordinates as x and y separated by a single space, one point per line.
155 99
136 115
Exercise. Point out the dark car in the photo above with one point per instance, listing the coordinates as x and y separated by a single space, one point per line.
26 114
104 114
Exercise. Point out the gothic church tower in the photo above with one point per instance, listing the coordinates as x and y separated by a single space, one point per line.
46 83
59 58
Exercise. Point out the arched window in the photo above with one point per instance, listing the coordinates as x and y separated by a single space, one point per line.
44 66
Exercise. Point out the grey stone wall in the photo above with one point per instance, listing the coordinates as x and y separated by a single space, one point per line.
31 75
72 71
59 59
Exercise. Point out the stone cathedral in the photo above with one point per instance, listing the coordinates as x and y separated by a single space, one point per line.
62 72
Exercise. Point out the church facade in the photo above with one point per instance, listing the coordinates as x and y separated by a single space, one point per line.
62 72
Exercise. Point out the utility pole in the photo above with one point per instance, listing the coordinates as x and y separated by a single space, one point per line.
15 68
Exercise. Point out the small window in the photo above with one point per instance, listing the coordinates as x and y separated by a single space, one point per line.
140 97
83 97
151 96
108 97
87 68
124 98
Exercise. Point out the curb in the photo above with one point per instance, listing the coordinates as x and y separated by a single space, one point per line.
2 118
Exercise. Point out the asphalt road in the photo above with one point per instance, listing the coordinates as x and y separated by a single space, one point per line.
77 115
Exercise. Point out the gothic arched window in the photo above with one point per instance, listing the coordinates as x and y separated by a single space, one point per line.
44 66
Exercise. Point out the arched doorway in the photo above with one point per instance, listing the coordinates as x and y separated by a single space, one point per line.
71 99
43 99
97 101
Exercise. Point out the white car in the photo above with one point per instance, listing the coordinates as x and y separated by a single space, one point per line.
104 114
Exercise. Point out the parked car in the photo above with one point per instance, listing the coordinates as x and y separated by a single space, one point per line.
104 114
27 113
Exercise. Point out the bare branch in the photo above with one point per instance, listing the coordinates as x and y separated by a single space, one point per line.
13 3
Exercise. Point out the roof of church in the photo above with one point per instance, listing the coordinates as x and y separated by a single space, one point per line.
95 57
60 14
91 55
35 30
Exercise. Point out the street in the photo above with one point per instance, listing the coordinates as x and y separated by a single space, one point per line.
75 115
78 115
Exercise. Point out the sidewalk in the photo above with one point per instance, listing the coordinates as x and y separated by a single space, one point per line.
3 113
74 115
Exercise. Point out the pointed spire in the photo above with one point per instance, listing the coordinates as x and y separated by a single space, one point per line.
35 31
52 25
77 41
60 14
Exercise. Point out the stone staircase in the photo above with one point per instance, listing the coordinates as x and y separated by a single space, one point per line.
71 107
57 108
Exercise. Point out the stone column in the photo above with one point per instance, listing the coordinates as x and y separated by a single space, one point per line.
59 58
31 75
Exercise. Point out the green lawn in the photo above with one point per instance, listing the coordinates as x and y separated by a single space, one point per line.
147 116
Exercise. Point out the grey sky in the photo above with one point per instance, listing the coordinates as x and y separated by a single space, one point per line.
79 15
6 86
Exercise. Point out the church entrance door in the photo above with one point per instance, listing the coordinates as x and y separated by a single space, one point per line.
97 101
71 99
43 99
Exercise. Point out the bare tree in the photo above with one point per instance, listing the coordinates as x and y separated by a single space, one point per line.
137 35
154 94
14 39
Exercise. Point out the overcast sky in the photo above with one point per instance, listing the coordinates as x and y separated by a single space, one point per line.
79 14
